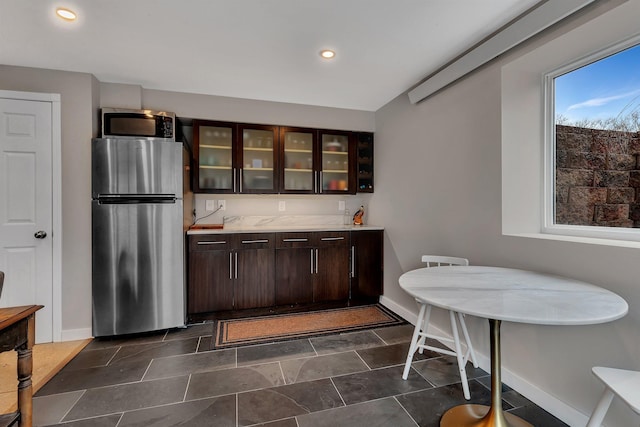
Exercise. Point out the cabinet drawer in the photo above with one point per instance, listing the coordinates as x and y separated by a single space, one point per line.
331 238
254 241
293 240
210 242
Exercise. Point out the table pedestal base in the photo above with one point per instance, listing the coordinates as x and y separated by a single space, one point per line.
470 415
480 416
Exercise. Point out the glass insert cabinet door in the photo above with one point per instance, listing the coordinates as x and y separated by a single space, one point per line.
214 147
299 175
335 163
258 159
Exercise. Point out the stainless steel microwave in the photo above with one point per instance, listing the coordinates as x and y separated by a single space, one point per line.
120 122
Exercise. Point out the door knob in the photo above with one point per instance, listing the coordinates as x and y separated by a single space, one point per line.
40 234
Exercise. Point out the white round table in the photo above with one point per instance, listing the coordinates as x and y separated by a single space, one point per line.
504 294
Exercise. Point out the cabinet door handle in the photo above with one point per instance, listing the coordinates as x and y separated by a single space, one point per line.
353 261
230 265
236 254
233 178
320 183
246 242
240 178
329 239
315 182
295 240
219 242
316 261
311 261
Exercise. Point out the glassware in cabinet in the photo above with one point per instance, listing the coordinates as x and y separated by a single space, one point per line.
336 159
258 157
298 173
214 156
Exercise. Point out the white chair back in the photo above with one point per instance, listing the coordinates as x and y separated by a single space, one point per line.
438 260
420 333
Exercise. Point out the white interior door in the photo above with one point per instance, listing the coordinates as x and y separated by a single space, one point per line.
26 227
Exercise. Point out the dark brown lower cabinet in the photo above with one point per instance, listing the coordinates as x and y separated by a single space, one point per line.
210 286
312 267
367 264
331 280
257 270
230 272
294 268
255 264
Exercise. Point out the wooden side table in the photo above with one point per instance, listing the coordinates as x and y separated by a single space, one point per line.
17 332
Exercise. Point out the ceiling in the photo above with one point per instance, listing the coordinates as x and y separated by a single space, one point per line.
256 49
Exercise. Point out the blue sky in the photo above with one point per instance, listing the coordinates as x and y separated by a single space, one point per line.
602 89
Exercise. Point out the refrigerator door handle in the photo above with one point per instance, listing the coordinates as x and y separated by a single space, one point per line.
135 198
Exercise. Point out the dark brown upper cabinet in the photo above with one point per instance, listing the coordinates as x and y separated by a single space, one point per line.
317 161
214 145
264 159
298 160
337 162
364 162
258 159
235 158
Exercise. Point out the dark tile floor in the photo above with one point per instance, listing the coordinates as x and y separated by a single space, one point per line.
175 379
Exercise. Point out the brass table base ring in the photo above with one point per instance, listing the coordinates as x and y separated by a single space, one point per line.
480 416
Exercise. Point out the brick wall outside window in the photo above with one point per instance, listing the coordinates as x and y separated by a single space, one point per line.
597 177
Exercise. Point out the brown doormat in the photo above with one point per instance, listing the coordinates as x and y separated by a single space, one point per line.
280 327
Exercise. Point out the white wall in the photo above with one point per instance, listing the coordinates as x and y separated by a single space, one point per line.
257 112
439 190
78 124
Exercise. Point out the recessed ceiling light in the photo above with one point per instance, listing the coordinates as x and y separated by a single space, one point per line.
327 54
66 14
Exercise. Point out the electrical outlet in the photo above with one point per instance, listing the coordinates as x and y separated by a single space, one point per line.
222 204
341 205
282 206
210 205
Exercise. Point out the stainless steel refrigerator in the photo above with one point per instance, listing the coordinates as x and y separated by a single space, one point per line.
137 235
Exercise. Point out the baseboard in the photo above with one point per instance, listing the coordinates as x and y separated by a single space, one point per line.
549 403
75 334
407 315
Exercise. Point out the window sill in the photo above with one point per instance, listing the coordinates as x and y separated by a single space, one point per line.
578 239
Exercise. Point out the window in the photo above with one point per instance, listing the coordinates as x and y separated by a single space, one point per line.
593 137
528 125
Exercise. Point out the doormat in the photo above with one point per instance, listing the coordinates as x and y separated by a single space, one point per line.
281 327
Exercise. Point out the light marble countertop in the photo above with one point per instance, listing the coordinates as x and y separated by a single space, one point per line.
514 295
284 223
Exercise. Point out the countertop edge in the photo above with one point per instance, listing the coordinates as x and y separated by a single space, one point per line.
300 229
